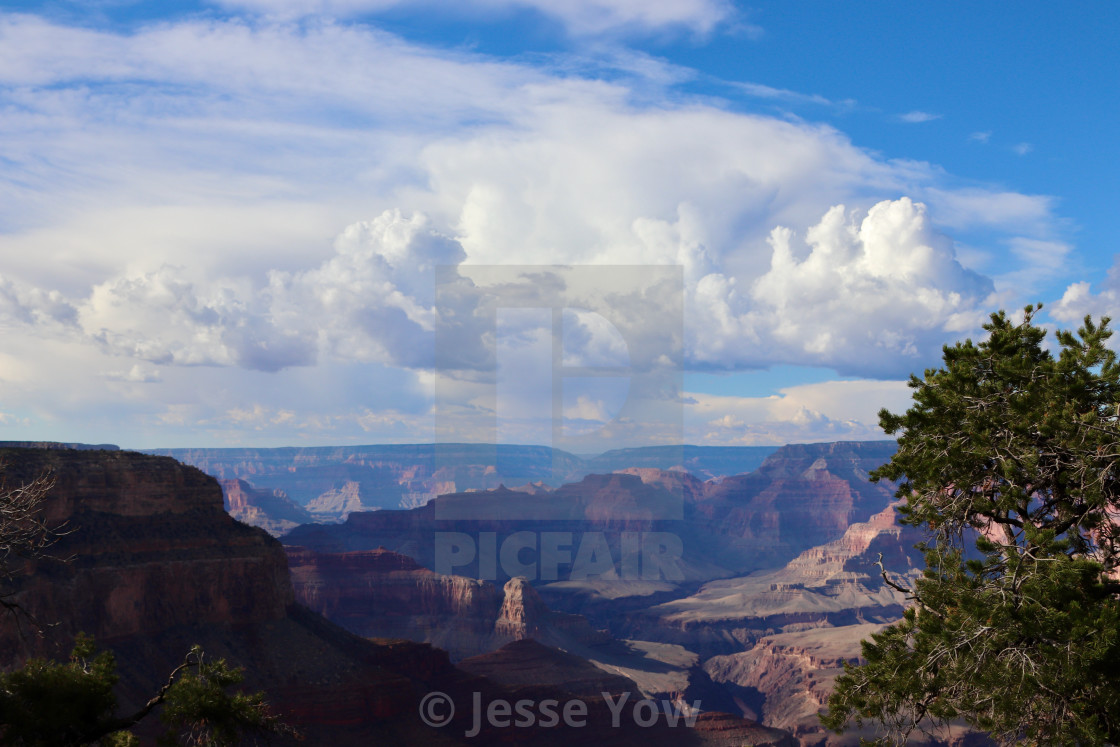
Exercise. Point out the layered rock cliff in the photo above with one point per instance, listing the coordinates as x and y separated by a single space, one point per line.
802 496
334 481
787 678
382 594
149 563
148 547
271 510
153 564
836 584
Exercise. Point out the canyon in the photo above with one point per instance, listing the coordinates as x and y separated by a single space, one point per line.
779 577
737 596
151 563
332 482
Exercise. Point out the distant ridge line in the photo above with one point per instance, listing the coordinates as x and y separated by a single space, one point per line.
51 445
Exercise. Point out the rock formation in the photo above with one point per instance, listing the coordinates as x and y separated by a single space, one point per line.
809 509
780 581
787 677
803 496
832 585
339 480
134 524
382 594
155 565
271 510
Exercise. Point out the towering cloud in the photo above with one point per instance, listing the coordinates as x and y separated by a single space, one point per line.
875 294
210 218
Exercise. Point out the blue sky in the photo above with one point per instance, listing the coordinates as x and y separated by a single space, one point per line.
219 221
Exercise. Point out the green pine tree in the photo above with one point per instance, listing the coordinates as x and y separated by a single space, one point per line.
1014 449
52 704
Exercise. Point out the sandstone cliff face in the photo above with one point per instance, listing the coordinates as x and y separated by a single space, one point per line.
271 510
855 555
155 565
802 497
789 676
834 585
525 615
382 594
151 547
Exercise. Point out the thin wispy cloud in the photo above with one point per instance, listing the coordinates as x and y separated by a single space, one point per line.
916 117
580 17
758 90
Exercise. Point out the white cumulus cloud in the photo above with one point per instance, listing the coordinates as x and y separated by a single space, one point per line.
217 210
824 411
372 301
1079 300
875 293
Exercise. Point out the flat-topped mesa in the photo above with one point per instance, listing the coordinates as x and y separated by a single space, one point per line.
150 546
57 445
675 481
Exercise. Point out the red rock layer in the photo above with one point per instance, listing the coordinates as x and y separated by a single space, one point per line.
378 593
151 547
270 510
